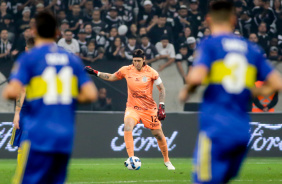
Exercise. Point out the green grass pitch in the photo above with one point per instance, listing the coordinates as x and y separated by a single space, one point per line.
87 171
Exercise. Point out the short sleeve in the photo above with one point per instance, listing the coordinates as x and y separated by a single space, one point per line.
203 55
21 70
155 74
263 67
80 73
120 74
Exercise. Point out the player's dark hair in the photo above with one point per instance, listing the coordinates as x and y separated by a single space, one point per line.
221 10
139 53
46 24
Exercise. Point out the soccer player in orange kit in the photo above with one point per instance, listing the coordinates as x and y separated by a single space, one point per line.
140 103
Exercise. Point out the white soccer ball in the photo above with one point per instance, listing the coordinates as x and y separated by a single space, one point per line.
133 163
122 30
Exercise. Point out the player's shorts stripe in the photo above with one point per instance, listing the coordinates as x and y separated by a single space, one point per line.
219 71
21 166
13 136
204 158
37 87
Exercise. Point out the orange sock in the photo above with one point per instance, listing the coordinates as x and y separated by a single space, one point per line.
163 146
128 139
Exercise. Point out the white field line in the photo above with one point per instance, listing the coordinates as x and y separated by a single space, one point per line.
162 181
143 181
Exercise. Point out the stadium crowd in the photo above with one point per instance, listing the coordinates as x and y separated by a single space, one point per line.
112 29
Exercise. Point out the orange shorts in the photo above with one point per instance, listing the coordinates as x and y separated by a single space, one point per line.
148 117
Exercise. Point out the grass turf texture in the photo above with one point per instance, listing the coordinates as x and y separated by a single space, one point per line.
84 171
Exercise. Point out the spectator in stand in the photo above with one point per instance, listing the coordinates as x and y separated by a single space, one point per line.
124 12
39 8
182 39
195 15
88 11
98 26
103 103
159 28
20 43
277 7
69 43
64 26
132 31
264 13
72 3
263 38
238 8
75 18
192 44
201 30
8 26
82 41
112 19
183 56
253 38
146 14
112 35
32 23
246 24
130 47
5 46
181 21
166 51
24 22
149 49
116 50
273 54
61 16
170 11
279 28
3 11
91 54
90 35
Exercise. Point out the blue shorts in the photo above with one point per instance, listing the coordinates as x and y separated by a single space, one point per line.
41 167
16 137
217 160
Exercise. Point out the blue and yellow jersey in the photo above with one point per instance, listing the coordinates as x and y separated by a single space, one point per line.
234 66
53 78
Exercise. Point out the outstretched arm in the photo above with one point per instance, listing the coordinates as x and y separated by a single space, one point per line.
102 75
161 89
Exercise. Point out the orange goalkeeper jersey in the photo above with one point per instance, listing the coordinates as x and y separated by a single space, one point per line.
139 85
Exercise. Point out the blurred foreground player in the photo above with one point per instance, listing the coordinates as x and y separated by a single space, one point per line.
20 113
54 81
140 103
231 66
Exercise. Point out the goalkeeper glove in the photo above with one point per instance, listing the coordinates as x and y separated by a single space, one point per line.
91 71
161 112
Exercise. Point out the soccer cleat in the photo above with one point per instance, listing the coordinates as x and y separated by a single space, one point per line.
169 166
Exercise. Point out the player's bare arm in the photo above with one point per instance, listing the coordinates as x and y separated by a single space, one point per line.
12 90
161 89
88 93
194 79
273 84
19 103
102 75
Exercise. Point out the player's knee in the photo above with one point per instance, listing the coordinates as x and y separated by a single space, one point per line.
129 124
